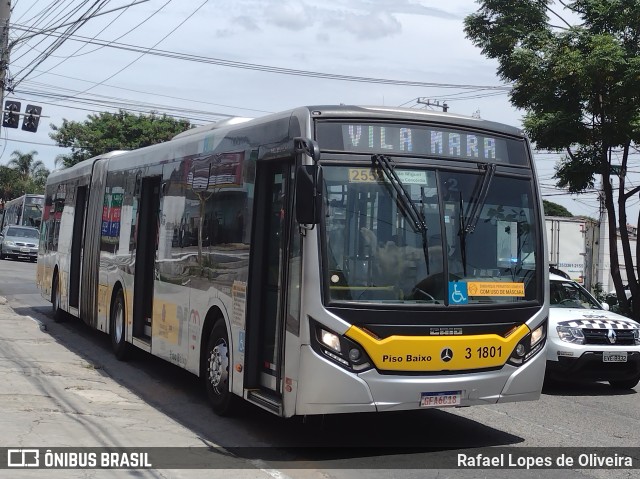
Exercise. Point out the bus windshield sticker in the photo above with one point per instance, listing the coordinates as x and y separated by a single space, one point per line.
497 288
368 175
363 175
458 293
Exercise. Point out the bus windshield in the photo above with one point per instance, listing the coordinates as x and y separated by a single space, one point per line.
477 244
32 211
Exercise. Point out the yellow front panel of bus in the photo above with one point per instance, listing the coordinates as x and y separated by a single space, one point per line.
438 353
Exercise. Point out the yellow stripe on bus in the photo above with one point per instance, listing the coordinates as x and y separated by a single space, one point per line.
438 353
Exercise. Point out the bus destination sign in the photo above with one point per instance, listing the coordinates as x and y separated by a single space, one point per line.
379 138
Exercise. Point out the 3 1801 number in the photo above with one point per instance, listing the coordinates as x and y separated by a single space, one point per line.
484 352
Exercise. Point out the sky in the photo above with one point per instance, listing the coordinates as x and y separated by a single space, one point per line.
222 58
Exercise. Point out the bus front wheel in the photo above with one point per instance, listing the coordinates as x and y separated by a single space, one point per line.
216 370
118 327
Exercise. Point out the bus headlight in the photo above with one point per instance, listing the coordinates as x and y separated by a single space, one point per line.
339 349
330 339
570 335
529 346
537 335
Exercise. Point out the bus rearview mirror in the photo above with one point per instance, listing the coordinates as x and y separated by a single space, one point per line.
308 194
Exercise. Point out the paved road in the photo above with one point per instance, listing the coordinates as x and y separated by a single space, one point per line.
62 386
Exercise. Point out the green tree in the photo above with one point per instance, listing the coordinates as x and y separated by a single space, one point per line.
105 132
554 209
23 174
11 183
27 165
578 84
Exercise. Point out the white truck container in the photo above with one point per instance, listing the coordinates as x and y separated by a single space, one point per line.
572 244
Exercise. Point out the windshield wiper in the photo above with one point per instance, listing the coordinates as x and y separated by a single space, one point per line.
479 196
416 218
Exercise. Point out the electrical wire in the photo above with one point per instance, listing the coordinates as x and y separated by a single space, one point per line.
86 16
47 12
144 53
272 69
201 102
82 46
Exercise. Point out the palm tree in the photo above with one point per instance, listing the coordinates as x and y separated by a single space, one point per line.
27 165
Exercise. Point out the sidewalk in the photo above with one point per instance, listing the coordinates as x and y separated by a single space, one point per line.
51 397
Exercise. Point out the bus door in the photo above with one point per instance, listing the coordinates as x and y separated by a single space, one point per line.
145 255
77 241
267 279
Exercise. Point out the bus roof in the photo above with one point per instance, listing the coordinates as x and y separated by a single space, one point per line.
212 126
21 197
397 113
84 167
369 112
379 113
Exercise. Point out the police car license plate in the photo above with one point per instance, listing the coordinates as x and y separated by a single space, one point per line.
440 399
614 357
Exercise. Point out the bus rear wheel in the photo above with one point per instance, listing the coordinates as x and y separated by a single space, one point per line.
117 328
58 314
216 370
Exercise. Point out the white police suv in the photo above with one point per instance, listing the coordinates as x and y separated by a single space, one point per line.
586 341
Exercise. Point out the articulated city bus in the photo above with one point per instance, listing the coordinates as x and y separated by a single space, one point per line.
328 259
25 210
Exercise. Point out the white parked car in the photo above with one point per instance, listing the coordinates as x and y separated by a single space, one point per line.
586 341
19 242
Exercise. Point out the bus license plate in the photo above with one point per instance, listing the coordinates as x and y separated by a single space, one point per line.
440 399
614 357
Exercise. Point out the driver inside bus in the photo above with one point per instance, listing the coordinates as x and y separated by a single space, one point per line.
404 265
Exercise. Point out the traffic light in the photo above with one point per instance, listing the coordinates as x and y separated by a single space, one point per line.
11 116
31 118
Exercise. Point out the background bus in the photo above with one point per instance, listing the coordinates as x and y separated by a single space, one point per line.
25 210
326 259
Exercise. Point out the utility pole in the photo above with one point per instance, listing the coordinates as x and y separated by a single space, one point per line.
5 15
436 103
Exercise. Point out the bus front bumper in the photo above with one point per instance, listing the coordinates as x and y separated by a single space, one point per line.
326 388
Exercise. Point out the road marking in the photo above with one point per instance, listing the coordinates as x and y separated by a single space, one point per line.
260 464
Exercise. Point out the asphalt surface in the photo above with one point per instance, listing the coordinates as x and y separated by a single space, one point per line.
61 386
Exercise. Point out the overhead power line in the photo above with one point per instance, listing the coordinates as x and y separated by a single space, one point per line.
264 68
84 18
148 49
114 20
51 29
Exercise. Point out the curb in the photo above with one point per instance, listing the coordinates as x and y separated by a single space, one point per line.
41 325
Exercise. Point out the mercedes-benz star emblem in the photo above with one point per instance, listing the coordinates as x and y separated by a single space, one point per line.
446 355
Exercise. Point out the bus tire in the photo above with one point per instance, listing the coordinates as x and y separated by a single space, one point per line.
118 327
216 369
58 314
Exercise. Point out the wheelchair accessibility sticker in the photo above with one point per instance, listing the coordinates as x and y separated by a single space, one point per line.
458 293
